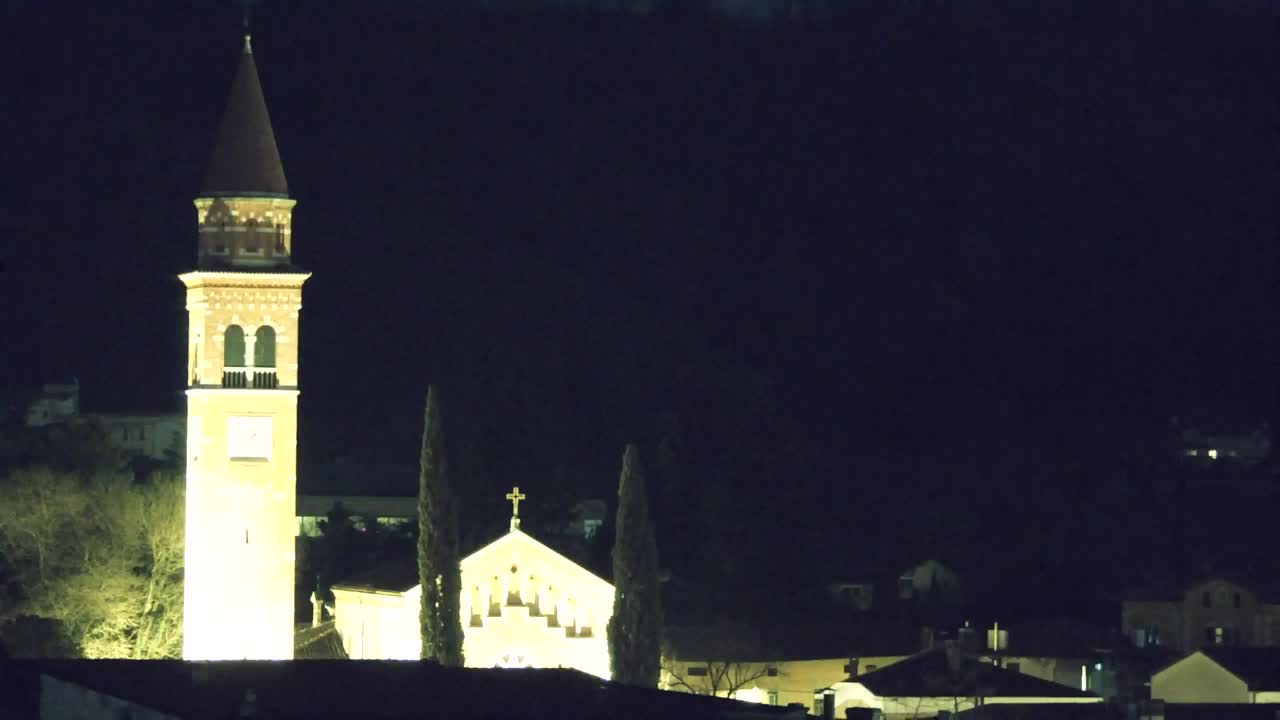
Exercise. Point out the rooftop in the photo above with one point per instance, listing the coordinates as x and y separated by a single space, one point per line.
929 674
1259 667
349 688
784 642
245 159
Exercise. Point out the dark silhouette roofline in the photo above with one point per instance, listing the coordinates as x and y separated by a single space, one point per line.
245 160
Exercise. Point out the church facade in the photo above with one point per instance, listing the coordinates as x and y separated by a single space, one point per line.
243 301
523 605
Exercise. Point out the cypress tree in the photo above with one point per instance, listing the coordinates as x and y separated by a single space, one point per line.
635 630
438 569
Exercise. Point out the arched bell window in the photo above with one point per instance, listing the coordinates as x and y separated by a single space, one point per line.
264 347
233 347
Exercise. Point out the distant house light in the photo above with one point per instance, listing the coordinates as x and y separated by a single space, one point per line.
1213 454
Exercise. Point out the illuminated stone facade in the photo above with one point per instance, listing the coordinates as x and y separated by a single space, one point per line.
523 605
242 396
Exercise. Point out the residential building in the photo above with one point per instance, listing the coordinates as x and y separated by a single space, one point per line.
1067 652
946 680
155 436
588 518
1219 674
779 664
929 582
1208 613
1247 447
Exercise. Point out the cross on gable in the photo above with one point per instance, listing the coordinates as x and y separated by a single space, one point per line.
515 496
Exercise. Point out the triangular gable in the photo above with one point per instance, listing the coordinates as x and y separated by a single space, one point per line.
518 540
1198 677
1206 657
399 577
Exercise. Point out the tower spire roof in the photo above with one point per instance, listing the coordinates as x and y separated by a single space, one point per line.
245 160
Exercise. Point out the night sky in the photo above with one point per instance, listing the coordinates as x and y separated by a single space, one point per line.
945 232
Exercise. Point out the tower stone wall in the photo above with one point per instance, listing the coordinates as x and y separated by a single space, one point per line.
243 303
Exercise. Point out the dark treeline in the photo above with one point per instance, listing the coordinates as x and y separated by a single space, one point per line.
856 286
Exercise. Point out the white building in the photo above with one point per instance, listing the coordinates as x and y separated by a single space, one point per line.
156 436
523 605
1221 675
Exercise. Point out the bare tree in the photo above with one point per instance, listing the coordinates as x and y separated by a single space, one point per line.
723 678
100 555
727 663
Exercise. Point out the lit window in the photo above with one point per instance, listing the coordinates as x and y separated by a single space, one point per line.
1213 454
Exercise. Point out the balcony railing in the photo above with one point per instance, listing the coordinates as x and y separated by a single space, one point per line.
247 377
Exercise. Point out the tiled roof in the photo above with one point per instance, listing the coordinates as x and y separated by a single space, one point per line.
245 158
363 689
318 643
929 674
1259 667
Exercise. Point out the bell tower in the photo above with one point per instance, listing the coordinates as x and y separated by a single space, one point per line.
243 301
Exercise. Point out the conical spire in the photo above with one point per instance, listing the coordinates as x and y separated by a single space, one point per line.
245 159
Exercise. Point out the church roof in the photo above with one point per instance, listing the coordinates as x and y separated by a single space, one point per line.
245 160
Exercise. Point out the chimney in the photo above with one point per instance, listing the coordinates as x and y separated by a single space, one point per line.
828 705
317 610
